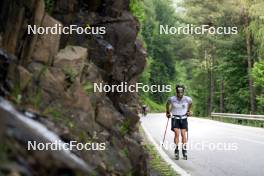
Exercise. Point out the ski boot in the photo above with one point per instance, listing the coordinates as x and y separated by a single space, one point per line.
184 153
176 152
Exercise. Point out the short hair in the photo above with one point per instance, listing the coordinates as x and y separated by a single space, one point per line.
180 86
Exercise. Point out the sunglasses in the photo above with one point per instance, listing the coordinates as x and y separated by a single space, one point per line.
180 90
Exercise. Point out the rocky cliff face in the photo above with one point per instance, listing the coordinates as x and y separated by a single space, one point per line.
51 75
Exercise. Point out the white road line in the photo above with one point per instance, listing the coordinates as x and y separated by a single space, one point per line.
248 140
177 168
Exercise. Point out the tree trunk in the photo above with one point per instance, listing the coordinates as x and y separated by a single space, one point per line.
209 104
212 84
222 96
208 83
211 88
250 63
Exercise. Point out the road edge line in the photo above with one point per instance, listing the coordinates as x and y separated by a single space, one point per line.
177 168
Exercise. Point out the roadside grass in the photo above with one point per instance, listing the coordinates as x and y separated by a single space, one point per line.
124 127
157 164
153 106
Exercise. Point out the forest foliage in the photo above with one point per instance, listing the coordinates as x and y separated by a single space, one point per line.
222 73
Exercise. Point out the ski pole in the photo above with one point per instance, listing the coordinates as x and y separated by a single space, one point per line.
165 131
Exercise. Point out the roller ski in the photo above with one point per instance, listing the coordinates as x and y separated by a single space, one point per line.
184 154
176 152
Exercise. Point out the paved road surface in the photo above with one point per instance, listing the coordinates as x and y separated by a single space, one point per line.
243 153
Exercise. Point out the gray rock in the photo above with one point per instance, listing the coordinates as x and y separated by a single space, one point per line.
114 57
71 57
47 45
106 114
14 41
24 77
1 40
51 84
25 129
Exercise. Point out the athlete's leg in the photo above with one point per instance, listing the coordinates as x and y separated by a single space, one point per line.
184 143
176 141
184 136
176 136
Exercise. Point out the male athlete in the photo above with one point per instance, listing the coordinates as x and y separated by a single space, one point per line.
179 108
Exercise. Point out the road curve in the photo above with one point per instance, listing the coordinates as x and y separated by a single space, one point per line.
216 148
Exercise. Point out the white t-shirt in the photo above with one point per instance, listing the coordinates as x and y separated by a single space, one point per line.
179 107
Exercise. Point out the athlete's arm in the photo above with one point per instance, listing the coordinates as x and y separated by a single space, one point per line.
168 106
189 110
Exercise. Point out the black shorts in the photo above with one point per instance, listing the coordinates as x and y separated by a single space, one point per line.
179 123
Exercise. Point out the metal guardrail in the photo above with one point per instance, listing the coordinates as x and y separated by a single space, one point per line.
239 116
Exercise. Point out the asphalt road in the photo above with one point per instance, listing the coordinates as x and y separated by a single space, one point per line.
215 148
